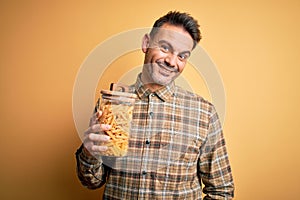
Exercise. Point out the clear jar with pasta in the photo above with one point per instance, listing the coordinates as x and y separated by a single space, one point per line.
117 109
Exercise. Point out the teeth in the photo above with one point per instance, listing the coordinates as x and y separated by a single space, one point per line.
164 68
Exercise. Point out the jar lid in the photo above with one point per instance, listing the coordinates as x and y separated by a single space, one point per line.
117 93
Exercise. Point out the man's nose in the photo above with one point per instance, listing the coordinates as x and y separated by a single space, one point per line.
171 59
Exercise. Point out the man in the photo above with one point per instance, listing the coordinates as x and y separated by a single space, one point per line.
176 139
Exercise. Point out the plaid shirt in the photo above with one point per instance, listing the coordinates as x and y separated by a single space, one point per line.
176 144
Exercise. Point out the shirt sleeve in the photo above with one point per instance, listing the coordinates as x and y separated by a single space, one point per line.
91 171
214 167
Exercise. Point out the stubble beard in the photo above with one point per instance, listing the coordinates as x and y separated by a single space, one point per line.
158 76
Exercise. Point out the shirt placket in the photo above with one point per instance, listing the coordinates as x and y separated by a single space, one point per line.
146 146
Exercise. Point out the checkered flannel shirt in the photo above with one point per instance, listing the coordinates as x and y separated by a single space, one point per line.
176 145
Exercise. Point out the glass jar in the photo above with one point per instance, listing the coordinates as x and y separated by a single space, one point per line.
117 108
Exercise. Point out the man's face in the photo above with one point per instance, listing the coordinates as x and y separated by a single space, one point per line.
166 54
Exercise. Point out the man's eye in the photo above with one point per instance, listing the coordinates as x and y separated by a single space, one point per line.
183 56
164 48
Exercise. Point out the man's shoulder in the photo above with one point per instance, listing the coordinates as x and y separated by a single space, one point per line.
188 95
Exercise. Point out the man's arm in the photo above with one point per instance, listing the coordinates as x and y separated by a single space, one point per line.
90 170
214 167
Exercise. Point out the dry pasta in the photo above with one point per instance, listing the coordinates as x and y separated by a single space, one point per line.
119 117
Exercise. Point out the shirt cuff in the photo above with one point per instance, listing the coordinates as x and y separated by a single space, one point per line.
86 158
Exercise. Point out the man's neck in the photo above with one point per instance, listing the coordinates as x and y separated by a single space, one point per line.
153 87
149 85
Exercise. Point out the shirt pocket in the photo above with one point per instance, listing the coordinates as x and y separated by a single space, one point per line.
179 144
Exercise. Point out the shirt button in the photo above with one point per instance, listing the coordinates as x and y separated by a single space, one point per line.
151 114
152 95
147 141
144 172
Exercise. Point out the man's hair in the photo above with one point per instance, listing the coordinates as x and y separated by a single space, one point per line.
179 19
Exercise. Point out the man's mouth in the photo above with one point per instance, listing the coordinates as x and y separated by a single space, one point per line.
165 70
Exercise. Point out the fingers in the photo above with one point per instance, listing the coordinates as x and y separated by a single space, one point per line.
92 141
95 117
96 148
97 128
98 137
94 135
92 149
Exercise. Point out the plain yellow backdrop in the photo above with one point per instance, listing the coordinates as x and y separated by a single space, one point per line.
255 45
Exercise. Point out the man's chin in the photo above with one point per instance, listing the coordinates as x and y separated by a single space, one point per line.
162 82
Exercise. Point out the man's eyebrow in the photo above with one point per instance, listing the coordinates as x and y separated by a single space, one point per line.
187 51
169 44
164 41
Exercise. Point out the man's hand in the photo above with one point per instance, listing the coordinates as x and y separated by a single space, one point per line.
94 135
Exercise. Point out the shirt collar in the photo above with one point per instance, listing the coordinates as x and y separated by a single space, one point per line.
163 93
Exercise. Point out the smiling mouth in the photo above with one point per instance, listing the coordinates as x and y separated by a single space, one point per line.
164 70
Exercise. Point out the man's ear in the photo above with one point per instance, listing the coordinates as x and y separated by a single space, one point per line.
145 42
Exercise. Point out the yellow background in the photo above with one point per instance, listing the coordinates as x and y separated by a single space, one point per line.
255 45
